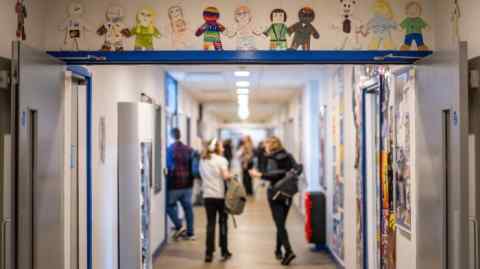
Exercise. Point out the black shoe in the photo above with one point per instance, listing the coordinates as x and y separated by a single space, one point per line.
227 256
208 258
289 257
279 255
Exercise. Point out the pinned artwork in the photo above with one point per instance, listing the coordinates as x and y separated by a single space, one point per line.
404 108
74 26
179 30
414 25
278 30
303 30
145 30
349 26
381 25
211 30
21 10
244 30
114 30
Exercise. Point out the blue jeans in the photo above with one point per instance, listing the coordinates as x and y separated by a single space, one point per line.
184 196
418 38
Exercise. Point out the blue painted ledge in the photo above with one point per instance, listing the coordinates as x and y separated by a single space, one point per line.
239 57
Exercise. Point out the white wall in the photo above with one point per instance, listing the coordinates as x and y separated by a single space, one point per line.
113 84
469 26
35 25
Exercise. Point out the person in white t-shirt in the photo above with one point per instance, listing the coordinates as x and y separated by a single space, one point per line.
214 173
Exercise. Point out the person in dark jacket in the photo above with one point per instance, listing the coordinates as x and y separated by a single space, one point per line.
180 184
261 156
228 152
279 163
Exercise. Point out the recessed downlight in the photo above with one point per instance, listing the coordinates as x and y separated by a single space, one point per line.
243 91
243 84
242 73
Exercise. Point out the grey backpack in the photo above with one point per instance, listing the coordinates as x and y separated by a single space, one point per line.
235 197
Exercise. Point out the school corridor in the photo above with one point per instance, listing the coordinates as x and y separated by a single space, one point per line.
252 242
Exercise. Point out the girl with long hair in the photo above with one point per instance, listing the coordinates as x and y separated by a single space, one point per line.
214 173
279 163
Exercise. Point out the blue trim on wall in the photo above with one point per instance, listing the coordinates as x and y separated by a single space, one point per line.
240 57
82 71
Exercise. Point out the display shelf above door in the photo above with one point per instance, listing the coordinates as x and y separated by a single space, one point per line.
239 57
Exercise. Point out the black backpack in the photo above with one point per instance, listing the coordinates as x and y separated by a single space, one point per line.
287 187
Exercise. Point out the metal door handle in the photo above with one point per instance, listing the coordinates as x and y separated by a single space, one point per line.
474 222
4 237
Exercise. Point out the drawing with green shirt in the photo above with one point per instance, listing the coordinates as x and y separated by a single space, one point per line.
413 26
278 31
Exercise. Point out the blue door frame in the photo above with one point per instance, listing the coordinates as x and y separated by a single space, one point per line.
83 72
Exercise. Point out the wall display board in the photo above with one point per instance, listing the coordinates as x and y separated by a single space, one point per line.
404 126
322 125
357 73
338 164
387 221
159 175
145 183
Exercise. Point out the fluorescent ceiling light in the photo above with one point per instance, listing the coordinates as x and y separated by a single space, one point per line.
242 73
243 99
243 114
243 84
243 91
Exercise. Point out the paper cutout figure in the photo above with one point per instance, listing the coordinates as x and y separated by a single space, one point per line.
21 10
278 30
303 30
75 27
349 26
381 26
179 30
114 29
413 26
145 30
244 29
211 29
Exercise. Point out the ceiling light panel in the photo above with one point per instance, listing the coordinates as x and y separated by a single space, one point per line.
243 84
242 73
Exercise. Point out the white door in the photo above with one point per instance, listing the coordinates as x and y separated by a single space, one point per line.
39 148
442 160
6 186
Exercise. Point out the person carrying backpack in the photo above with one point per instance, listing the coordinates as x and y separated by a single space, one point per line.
280 163
215 174
180 185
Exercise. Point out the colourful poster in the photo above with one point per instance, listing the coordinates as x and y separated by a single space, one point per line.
403 150
338 163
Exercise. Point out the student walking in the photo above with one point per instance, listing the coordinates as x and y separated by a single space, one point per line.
180 184
247 164
279 163
214 172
